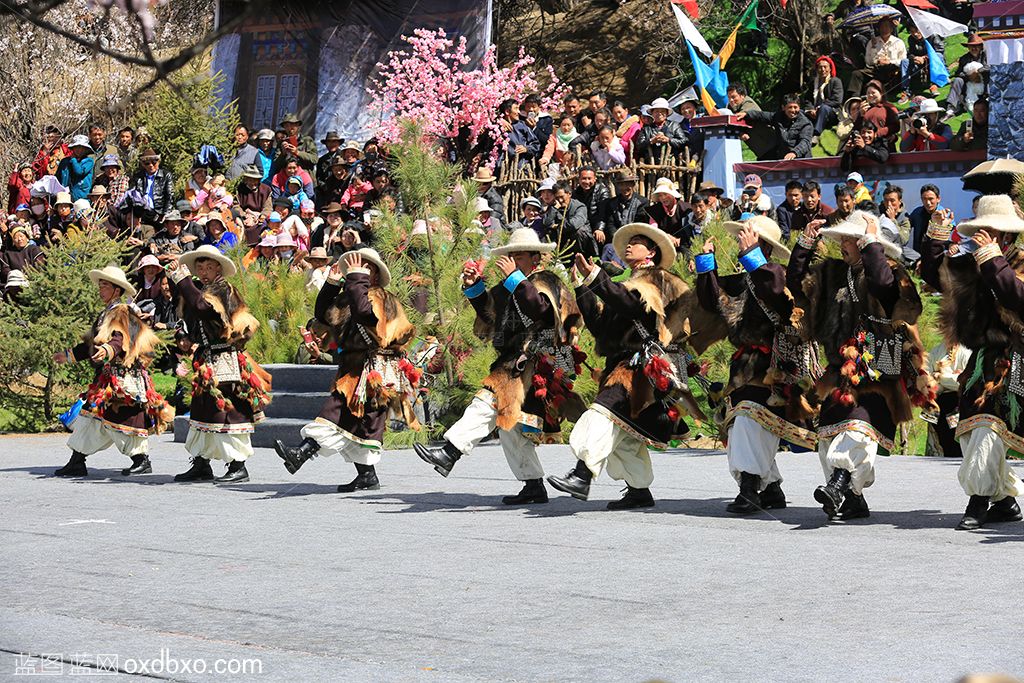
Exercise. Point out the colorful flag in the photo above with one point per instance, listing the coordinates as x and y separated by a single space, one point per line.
748 20
691 7
690 32
923 4
710 81
937 71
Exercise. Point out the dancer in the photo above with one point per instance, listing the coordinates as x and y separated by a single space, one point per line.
773 365
863 309
642 392
230 389
121 407
532 320
983 309
374 378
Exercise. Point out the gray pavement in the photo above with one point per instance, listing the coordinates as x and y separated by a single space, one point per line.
431 579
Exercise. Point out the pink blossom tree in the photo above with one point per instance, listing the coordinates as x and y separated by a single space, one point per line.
433 83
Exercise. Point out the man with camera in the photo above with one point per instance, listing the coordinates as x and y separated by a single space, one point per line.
926 131
864 144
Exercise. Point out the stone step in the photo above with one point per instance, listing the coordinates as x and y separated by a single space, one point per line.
301 378
296 405
285 429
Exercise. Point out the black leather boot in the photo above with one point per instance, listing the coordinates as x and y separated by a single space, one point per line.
854 507
1004 510
747 501
140 465
295 457
975 515
236 473
533 492
773 498
831 494
366 480
576 483
200 471
442 457
634 498
74 468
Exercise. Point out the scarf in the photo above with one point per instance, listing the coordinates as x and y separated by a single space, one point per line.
563 139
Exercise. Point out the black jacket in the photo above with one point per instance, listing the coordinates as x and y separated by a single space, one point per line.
615 213
592 200
676 139
791 135
162 191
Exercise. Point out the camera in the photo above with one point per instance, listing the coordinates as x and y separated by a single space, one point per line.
919 122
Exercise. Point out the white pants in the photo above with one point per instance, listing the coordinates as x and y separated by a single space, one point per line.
90 436
218 446
333 441
602 444
752 449
478 421
851 451
984 470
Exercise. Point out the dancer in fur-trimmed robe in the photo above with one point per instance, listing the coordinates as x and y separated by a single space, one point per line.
773 366
863 309
643 390
980 275
374 377
230 390
532 320
121 407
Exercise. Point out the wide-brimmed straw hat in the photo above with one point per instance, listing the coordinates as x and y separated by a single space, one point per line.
373 257
351 146
211 252
318 254
484 175
856 226
114 276
995 212
480 205
766 229
666 186
524 239
659 237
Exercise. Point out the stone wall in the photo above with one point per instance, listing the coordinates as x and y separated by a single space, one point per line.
1006 111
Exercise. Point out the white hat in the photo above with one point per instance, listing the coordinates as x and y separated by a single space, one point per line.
524 239
995 212
531 201
82 206
373 257
659 237
80 141
929 106
114 276
265 134
856 226
546 184
213 253
16 278
661 103
148 260
972 68
666 186
480 205
856 177
284 240
766 229
63 198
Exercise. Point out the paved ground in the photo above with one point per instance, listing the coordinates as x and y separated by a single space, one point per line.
433 580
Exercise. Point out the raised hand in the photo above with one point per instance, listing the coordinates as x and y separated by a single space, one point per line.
353 260
506 265
983 239
709 246
583 265
747 238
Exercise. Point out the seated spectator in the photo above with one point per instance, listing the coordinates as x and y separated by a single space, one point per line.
848 116
696 219
881 113
147 277
975 53
113 178
328 232
788 208
844 205
485 188
973 133
314 347
793 130
661 137
753 199
198 181
811 208
522 143
532 217
863 146
861 193
566 220
172 240
666 213
13 286
973 89
282 180
926 131
302 225
895 223
217 233
557 148
826 97
688 109
265 252
624 208
285 249
717 207
98 198
917 64
628 125
332 190
607 150
884 58
317 264
19 186
19 255
61 219
590 193
383 191
294 192
154 183
355 194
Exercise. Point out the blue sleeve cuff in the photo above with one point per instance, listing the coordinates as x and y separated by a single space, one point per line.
704 263
476 290
753 260
513 280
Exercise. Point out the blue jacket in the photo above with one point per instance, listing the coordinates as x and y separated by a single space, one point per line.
76 175
919 226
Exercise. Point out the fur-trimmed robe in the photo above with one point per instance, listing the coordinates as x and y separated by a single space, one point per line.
134 346
981 309
219 310
383 318
753 334
658 301
548 305
885 290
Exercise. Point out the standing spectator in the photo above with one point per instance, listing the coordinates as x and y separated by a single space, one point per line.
666 212
155 183
590 194
926 131
884 59
629 125
98 145
661 136
788 208
332 141
540 122
522 143
881 113
19 186
864 144
75 171
759 140
51 152
127 152
624 208
930 210
245 153
793 130
607 150
265 152
112 177
973 133
298 146
895 223
571 107
975 53
811 209
485 188
826 97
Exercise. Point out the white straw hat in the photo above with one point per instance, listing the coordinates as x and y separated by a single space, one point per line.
659 237
856 226
524 239
995 212
766 229
114 276
666 186
211 252
373 257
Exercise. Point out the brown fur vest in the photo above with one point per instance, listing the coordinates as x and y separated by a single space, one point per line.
139 343
969 314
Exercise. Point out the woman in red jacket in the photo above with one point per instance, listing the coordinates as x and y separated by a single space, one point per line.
19 186
883 114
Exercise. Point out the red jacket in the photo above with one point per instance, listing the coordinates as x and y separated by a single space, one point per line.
18 191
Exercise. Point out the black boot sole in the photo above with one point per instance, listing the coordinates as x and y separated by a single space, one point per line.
556 483
827 503
742 509
971 525
68 474
345 488
128 472
239 480
528 500
425 457
630 506
282 452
